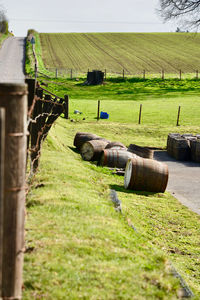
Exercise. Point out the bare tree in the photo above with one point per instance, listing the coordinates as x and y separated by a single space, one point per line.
186 11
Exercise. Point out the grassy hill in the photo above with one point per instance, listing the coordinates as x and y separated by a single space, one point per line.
79 247
132 52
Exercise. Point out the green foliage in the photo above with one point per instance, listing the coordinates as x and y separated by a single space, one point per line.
4 27
30 63
31 32
133 52
3 37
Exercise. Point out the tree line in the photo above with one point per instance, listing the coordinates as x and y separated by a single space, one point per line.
3 21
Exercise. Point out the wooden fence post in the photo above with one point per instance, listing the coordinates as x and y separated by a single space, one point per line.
31 91
178 117
123 74
140 114
66 112
163 74
71 73
98 110
180 74
35 128
144 74
2 144
13 97
56 73
197 74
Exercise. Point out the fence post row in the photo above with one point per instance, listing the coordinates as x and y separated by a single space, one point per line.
13 97
2 145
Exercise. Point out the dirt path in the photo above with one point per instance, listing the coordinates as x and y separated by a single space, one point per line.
184 180
12 59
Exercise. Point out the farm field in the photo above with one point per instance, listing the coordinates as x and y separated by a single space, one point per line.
122 99
78 246
133 52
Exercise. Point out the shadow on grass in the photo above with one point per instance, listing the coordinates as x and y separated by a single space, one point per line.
75 150
32 203
120 79
119 188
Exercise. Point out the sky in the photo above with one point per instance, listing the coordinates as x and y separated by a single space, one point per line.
85 16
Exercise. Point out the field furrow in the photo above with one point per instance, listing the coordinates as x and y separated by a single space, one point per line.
132 52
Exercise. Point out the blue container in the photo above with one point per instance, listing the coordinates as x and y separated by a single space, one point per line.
104 115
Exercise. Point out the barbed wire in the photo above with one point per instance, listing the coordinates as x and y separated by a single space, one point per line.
39 122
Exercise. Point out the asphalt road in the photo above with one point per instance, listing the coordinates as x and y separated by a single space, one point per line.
12 60
184 180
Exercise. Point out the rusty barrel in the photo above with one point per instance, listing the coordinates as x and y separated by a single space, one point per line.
91 150
143 174
116 145
115 158
141 151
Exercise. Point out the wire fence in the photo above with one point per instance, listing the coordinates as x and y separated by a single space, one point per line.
166 112
108 73
44 110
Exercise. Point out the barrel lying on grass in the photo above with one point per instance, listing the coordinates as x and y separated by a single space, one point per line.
115 158
145 175
83 137
116 145
141 151
91 150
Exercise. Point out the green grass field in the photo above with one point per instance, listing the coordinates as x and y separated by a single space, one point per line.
122 99
133 52
78 247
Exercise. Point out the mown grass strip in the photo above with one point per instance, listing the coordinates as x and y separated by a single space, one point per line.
82 248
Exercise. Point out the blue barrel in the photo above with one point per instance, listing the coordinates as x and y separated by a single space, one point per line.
104 115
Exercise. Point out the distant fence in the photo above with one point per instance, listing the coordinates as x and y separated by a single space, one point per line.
145 74
151 113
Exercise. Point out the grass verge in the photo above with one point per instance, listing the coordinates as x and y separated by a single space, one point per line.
78 247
